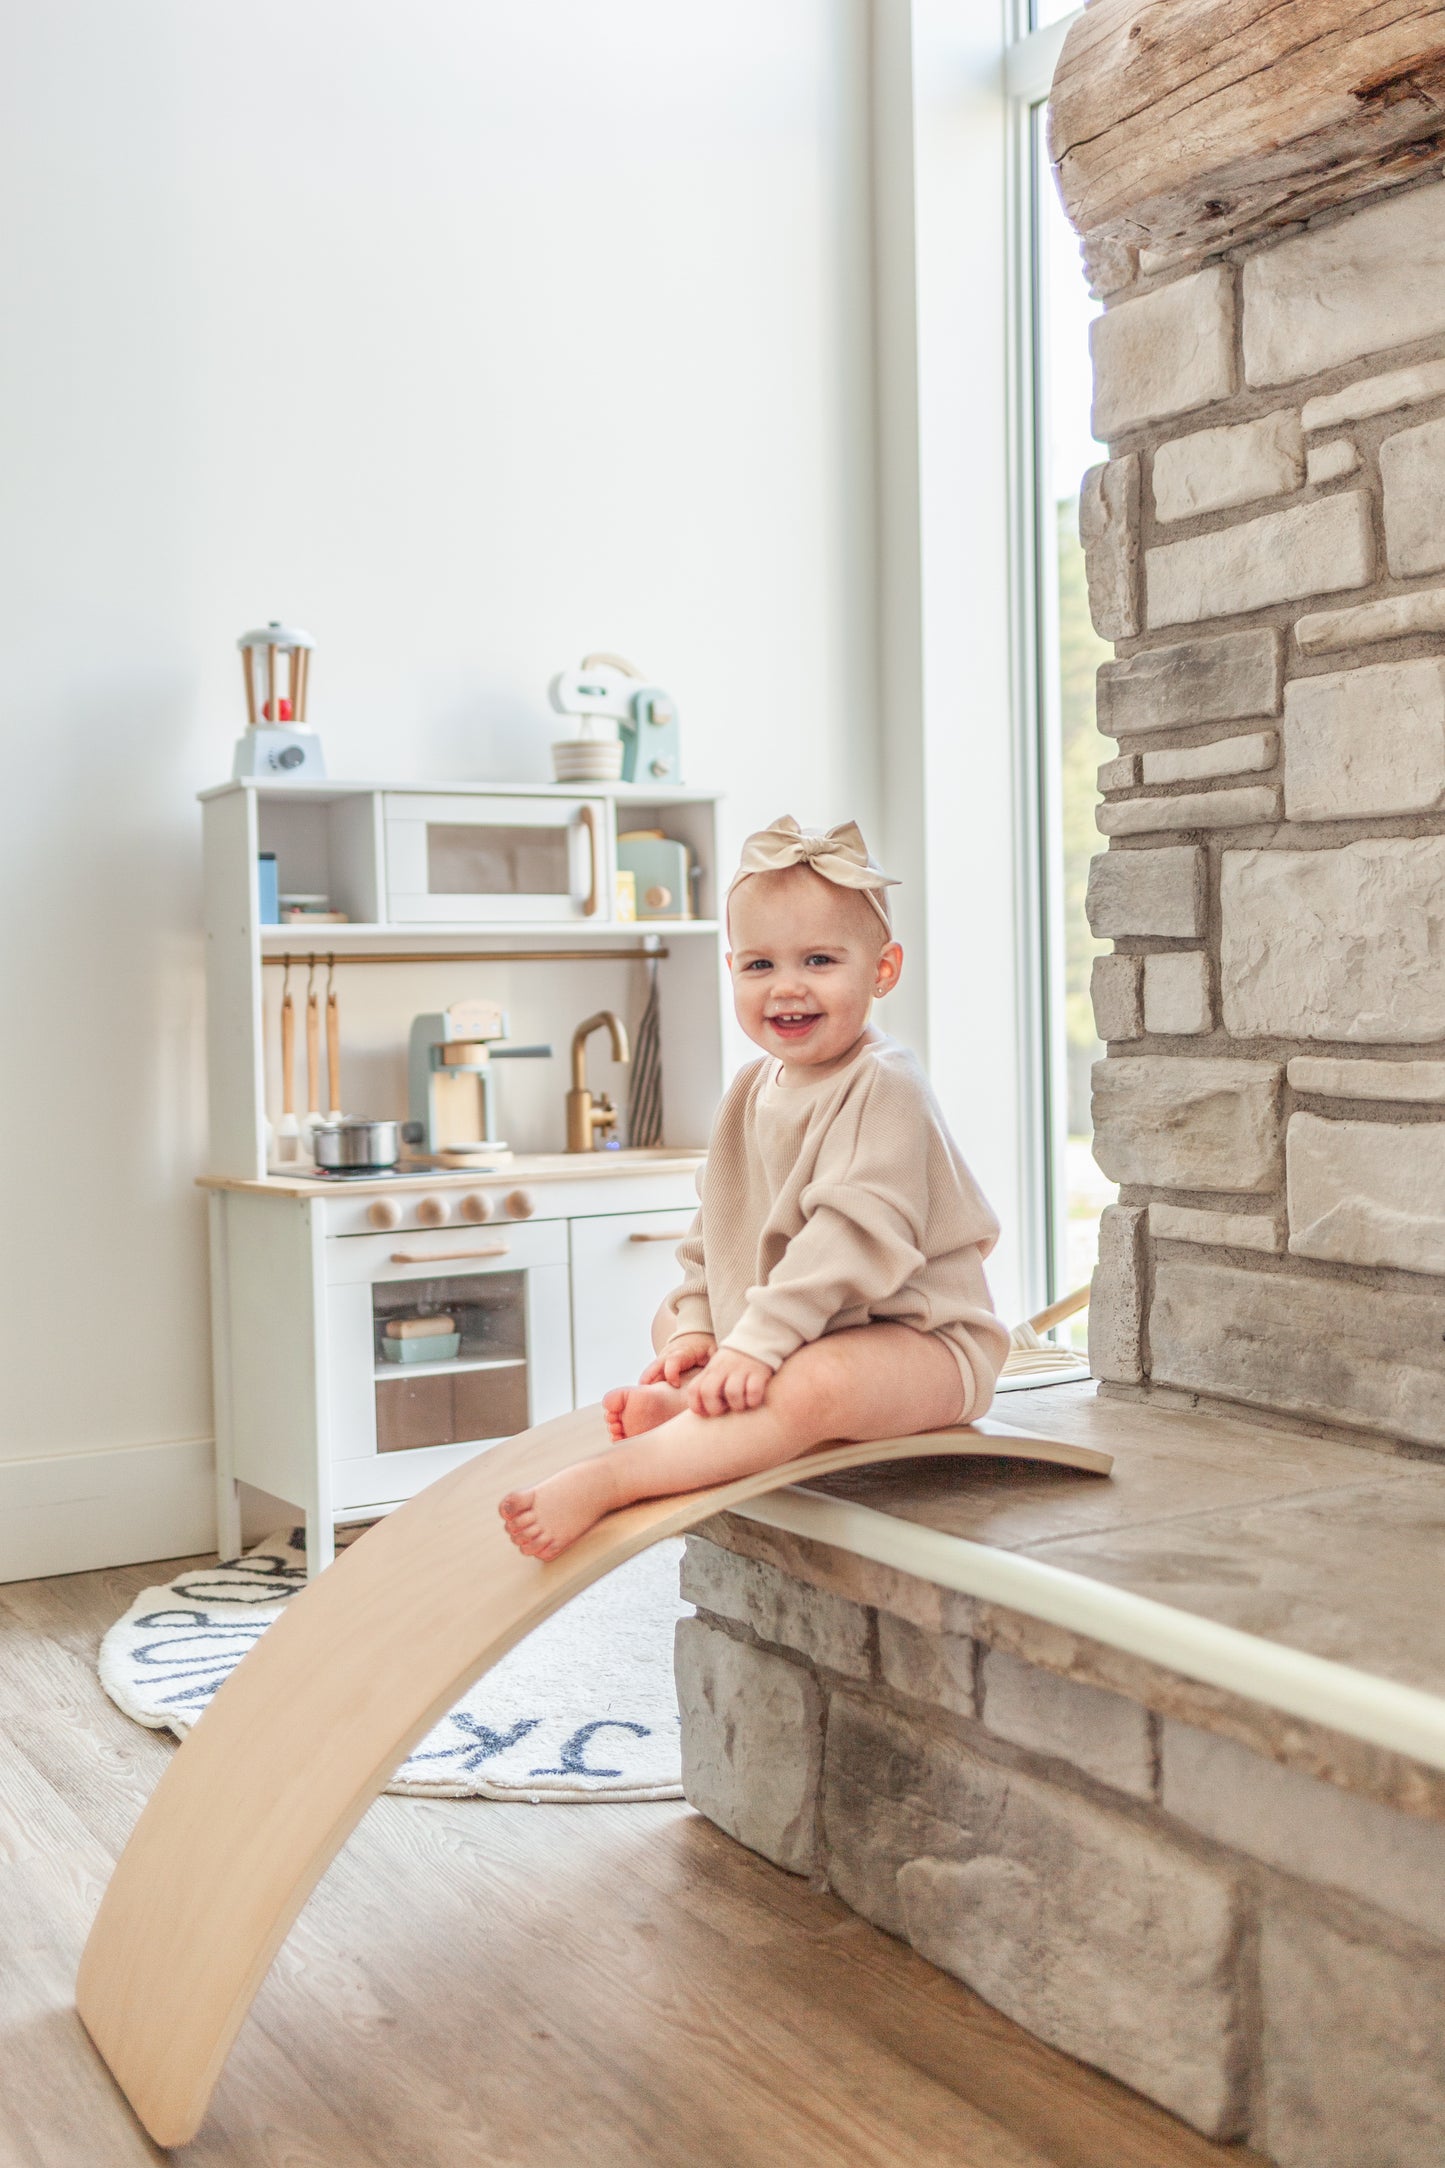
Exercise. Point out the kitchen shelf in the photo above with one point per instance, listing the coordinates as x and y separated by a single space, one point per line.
275 938
385 1373
328 789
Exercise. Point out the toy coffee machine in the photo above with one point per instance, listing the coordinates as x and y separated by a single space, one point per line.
277 742
450 1084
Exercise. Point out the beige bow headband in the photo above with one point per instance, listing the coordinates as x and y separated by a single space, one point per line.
840 855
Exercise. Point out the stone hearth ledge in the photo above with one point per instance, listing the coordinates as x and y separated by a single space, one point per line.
1226 1515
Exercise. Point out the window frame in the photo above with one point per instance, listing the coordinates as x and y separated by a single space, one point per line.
1029 63
952 84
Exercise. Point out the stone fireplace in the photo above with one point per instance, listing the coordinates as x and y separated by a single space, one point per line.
1266 551
1133 1786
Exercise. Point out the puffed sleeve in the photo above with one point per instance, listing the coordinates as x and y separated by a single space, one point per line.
689 1303
862 1237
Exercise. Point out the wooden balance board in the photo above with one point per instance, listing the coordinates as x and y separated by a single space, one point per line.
309 1728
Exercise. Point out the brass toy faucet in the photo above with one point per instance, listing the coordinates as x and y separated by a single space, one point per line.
586 1115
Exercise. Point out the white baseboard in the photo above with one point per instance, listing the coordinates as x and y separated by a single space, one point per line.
75 1512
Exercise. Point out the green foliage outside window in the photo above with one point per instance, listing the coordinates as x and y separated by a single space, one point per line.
1080 653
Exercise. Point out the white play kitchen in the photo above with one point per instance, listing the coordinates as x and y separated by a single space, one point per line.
430 1225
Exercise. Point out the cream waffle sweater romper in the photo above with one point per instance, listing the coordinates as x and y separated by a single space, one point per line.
838 1201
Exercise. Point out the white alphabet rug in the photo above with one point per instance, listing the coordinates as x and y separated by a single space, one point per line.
584 1708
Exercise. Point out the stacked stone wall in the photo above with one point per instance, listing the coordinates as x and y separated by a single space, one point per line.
1266 548
1260 1952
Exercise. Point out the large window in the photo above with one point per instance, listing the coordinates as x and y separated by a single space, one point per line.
1063 652
987 654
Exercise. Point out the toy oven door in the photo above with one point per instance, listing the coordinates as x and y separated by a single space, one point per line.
504 1363
494 861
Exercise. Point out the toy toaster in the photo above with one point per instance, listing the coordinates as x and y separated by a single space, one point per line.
663 871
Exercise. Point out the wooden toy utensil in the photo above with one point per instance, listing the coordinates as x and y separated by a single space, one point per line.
333 1040
313 1061
288 1134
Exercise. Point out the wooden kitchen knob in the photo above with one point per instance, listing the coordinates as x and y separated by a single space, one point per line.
657 899
386 1212
520 1204
432 1212
476 1205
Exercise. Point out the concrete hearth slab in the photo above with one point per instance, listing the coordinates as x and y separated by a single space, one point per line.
1353 1574
1324 1545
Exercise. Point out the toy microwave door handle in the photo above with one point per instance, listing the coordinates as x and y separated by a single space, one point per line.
592 902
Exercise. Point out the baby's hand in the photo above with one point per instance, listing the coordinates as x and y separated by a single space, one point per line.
686 1351
731 1383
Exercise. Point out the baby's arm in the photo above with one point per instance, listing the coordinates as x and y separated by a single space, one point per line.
856 1247
684 1351
690 1341
729 1382
861 1241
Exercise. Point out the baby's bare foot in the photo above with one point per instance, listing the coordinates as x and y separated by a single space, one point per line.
631 1409
542 1522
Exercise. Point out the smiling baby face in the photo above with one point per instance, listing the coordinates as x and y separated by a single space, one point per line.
808 960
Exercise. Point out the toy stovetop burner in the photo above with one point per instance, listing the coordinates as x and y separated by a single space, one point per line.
277 741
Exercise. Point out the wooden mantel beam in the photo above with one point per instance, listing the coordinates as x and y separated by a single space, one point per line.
1187 126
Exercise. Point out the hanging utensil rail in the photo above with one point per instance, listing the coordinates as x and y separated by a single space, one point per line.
314 957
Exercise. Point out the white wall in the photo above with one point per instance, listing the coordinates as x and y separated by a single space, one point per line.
469 335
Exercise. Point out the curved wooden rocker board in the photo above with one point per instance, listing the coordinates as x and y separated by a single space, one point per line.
310 1726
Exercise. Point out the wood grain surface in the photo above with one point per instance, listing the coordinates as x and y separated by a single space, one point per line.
578 1987
1184 126
307 1730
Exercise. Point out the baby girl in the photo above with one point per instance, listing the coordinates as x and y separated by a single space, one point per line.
833 1280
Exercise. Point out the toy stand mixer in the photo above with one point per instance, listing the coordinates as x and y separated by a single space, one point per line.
450 1086
612 700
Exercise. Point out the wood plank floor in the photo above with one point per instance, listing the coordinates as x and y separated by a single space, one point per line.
486 1986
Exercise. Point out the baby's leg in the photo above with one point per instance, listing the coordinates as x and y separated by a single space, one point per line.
631 1409
876 1381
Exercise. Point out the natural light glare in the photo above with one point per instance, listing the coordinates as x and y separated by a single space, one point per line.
1071 653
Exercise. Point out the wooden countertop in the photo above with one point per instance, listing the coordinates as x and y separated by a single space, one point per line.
526 1167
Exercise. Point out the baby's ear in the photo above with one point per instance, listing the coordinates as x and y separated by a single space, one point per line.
890 967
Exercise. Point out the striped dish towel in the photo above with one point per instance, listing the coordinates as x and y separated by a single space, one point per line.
644 1093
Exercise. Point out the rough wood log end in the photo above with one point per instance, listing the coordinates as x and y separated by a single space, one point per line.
1179 128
